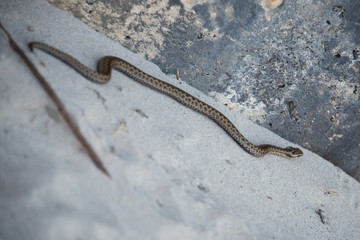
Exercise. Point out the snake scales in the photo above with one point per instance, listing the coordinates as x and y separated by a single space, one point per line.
105 65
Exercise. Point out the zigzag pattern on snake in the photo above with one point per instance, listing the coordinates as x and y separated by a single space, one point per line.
103 75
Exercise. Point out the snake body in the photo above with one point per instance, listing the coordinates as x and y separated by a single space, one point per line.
103 75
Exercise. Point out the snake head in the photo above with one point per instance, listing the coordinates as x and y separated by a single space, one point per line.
292 152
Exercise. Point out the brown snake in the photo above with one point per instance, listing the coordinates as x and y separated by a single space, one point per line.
103 75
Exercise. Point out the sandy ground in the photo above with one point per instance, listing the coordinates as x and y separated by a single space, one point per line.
174 173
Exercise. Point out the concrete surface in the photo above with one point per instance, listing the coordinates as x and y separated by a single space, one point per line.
290 66
174 173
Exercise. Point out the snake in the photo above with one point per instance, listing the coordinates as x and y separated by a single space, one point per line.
103 75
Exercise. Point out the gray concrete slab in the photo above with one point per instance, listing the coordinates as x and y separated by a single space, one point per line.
174 173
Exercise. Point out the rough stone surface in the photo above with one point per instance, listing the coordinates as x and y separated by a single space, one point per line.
174 173
292 67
